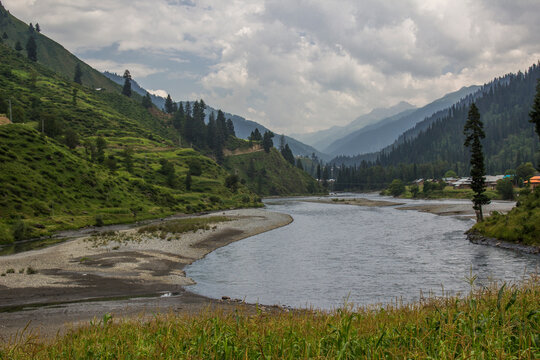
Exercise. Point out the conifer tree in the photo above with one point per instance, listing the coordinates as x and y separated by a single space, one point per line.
169 104
18 46
31 49
31 28
5 36
77 77
287 154
147 101
126 90
230 128
38 28
267 142
474 132
535 111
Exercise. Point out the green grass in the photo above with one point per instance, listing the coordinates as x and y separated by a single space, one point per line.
447 193
491 323
183 225
520 225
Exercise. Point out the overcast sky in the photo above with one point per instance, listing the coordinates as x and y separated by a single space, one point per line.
296 66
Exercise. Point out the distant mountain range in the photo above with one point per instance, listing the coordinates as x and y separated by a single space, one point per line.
322 139
376 136
242 126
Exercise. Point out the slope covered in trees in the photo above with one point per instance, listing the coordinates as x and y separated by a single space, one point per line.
504 107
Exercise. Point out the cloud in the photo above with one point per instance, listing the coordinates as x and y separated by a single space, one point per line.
137 70
161 93
302 65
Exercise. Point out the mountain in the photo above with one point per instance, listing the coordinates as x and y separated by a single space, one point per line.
322 139
374 137
242 126
510 140
50 53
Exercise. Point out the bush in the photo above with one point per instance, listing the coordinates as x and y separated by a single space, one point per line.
99 221
505 188
396 188
20 230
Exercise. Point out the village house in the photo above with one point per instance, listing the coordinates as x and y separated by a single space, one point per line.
4 120
534 182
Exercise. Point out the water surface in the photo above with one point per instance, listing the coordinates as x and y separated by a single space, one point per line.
367 255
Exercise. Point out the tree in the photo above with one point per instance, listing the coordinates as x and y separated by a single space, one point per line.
31 49
267 142
31 28
18 46
299 164
169 105
255 135
195 167
535 111
147 101
126 90
71 139
525 171
127 154
231 182
167 169
230 128
77 77
474 132
101 145
414 189
5 36
506 189
188 181
287 154
450 174
38 28
396 188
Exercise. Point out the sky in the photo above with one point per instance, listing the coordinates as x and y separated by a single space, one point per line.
296 66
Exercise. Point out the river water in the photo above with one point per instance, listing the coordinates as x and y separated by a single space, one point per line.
363 255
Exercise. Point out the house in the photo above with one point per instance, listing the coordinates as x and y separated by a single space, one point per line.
491 181
534 182
463 183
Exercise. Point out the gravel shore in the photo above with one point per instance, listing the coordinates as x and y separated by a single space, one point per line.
91 268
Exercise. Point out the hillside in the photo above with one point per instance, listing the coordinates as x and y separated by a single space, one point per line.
270 174
383 133
242 126
322 139
140 173
50 53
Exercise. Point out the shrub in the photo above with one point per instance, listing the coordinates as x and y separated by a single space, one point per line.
20 230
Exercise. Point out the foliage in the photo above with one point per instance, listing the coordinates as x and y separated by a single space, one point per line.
505 188
491 323
270 174
396 188
267 142
31 48
287 154
535 111
520 225
126 89
474 132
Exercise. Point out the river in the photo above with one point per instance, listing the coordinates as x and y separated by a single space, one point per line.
334 253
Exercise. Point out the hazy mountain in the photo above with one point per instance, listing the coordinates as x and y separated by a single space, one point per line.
383 133
322 139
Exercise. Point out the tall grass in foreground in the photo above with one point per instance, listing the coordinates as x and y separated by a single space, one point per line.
492 323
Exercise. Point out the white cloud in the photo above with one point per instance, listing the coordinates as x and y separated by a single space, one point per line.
137 71
161 93
301 65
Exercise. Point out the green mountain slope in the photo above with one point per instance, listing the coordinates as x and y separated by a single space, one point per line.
270 174
50 53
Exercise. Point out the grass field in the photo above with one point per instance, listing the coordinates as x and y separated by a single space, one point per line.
490 323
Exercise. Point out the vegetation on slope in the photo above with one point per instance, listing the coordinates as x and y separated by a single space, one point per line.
47 187
492 323
270 174
520 225
50 53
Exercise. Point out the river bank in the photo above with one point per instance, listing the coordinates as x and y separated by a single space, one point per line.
97 267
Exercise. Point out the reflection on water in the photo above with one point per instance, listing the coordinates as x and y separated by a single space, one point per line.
366 254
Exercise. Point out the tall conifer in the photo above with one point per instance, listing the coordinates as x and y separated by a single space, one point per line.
474 132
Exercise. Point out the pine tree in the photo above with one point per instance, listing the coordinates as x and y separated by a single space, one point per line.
535 111
31 49
77 77
5 36
474 132
147 101
169 104
126 90
31 28
267 142
18 46
38 28
287 154
230 128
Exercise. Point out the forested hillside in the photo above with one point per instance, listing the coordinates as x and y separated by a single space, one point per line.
510 139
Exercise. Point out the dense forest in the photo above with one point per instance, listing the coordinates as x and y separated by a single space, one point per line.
504 106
